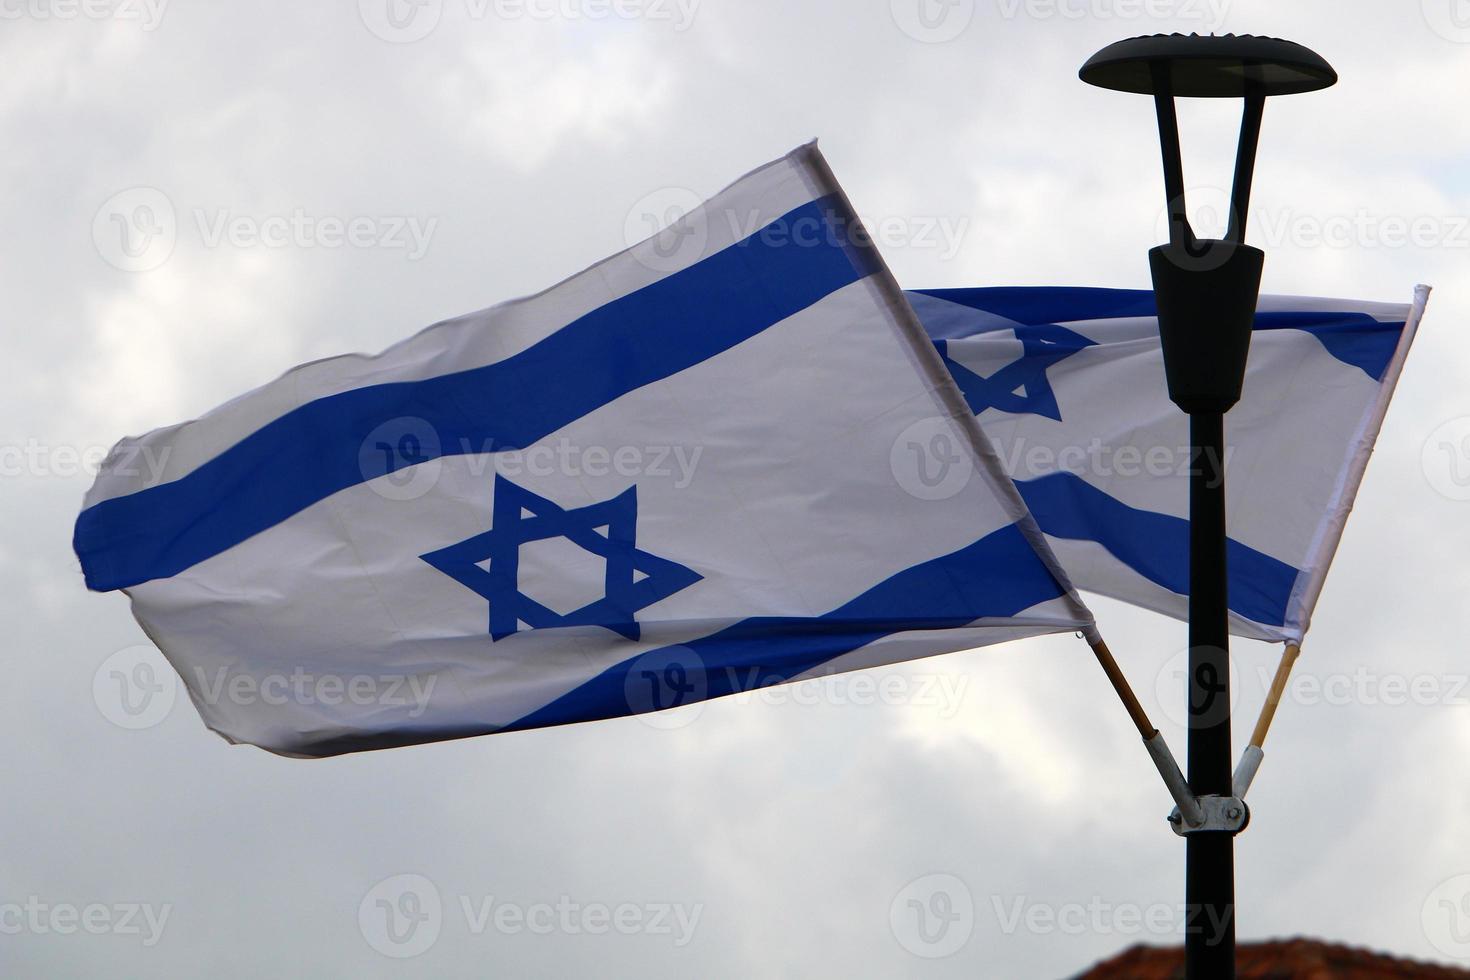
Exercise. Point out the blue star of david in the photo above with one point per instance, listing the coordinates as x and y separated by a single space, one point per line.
634 579
1021 387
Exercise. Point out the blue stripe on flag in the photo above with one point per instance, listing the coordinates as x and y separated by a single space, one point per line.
314 451
1051 304
998 576
1353 338
1156 545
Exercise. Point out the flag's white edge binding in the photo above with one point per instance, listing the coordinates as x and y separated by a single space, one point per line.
1329 534
951 402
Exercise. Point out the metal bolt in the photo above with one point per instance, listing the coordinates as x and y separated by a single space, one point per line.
1233 813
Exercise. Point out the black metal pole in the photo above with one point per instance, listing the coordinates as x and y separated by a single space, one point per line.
1206 292
1209 943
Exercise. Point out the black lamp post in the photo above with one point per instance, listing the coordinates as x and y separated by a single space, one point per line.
1206 291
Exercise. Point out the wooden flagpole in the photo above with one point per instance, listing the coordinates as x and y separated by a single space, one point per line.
1153 741
1250 760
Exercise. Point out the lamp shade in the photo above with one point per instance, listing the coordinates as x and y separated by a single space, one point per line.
1213 66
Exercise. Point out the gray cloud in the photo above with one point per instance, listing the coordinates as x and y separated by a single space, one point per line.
793 827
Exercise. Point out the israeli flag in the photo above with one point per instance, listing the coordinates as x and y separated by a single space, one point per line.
725 458
1069 385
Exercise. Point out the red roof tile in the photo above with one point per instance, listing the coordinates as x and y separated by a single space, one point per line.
1292 959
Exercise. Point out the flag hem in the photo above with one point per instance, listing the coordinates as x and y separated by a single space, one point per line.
926 360
1304 597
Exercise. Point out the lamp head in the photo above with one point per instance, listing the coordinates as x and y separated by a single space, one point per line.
1206 289
1208 66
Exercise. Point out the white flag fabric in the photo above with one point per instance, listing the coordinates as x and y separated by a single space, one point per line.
652 484
1069 385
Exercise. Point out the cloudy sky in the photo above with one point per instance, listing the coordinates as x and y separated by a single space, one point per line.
493 147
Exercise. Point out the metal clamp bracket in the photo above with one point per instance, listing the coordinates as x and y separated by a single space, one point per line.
1227 814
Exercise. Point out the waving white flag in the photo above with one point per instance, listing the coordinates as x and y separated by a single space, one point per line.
652 484
1069 385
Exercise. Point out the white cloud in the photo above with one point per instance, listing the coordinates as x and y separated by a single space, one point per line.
527 94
